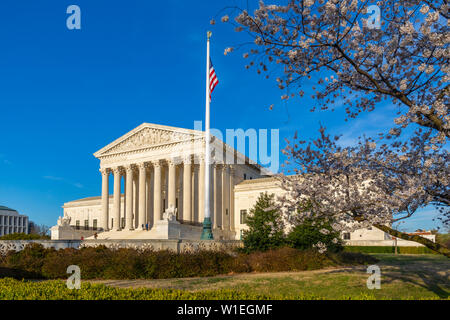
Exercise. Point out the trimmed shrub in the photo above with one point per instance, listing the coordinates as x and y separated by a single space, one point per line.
389 249
103 263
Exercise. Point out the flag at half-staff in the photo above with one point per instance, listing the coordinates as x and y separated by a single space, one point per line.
211 83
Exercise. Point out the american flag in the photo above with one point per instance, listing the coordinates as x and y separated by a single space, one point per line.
213 81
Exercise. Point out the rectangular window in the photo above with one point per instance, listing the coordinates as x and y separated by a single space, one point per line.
86 224
123 223
77 225
245 176
112 223
94 224
243 216
347 236
226 211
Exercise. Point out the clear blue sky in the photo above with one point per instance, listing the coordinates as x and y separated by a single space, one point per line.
64 94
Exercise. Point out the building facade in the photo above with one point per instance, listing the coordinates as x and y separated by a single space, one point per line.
155 168
12 222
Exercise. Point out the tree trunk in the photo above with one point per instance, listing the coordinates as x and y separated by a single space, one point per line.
436 247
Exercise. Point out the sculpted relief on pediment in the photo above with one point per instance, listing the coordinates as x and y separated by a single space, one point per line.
148 137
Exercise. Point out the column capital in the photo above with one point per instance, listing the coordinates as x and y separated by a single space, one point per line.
129 169
105 171
232 168
156 163
224 168
116 170
187 159
141 166
172 162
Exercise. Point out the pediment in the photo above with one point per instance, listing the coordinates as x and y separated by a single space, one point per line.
148 136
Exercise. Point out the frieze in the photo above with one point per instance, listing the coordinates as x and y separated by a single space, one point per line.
149 137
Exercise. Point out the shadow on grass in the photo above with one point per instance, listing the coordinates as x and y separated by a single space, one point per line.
430 273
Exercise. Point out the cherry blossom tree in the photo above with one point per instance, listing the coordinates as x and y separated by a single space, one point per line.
361 53
366 185
337 45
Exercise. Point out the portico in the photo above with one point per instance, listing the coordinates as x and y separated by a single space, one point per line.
154 168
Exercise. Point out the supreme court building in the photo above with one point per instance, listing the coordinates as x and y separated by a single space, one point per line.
154 169
157 175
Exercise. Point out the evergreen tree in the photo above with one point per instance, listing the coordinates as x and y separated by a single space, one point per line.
265 226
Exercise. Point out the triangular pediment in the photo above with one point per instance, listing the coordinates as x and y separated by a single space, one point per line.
147 136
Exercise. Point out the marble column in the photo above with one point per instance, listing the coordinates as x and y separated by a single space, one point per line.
129 198
135 216
172 185
149 197
231 198
157 192
224 196
105 198
142 195
215 198
195 195
187 190
116 221
201 189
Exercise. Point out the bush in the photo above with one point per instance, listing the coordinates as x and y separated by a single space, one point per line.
24 236
102 263
265 228
389 249
312 231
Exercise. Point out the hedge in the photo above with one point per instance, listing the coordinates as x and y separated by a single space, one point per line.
37 262
24 236
389 249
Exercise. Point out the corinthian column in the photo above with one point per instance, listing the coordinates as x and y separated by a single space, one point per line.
142 194
187 190
231 197
157 191
105 198
116 221
215 198
201 189
129 198
224 197
172 185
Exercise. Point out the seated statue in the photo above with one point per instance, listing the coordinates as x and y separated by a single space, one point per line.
64 221
170 214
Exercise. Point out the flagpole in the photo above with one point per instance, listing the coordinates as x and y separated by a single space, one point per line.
207 231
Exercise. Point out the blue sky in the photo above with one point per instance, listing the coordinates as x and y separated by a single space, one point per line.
64 94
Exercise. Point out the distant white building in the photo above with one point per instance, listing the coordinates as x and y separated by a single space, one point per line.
12 222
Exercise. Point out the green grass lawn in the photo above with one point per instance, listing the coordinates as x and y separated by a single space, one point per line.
402 277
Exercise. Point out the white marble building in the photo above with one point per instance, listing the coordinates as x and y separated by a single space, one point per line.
154 168
12 222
